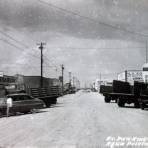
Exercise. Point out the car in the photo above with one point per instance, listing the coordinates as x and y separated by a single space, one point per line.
22 103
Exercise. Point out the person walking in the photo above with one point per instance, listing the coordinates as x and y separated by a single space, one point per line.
9 105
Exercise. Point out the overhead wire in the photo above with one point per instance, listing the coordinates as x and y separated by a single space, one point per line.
20 49
93 20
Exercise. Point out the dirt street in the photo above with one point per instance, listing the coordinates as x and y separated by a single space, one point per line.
78 120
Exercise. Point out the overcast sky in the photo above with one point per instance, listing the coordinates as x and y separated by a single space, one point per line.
87 36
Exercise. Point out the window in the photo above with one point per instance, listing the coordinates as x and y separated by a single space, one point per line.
15 98
26 97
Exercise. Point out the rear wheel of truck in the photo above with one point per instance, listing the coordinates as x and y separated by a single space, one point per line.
48 104
55 101
107 99
25 112
142 106
1 113
136 105
120 102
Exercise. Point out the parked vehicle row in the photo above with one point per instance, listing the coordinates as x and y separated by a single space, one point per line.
124 93
21 102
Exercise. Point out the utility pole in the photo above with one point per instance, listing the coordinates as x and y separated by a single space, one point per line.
62 78
41 48
100 78
146 53
70 78
73 81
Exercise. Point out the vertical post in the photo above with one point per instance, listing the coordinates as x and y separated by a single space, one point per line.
146 53
41 48
70 78
126 76
100 78
73 81
62 78
69 81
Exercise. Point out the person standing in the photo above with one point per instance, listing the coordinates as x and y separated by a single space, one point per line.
9 105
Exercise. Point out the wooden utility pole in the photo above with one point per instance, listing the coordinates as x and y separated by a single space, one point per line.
69 80
100 78
62 78
41 48
146 53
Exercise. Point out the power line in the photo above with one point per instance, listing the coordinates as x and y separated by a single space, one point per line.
10 37
90 19
96 48
19 42
18 48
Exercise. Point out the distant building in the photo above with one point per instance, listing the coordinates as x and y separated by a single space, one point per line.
97 84
5 79
131 76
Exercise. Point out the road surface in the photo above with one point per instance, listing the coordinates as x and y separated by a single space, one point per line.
78 120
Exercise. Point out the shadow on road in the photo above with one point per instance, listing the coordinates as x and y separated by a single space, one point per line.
112 102
23 114
55 106
131 107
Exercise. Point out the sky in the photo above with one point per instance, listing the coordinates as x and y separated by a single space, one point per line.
88 37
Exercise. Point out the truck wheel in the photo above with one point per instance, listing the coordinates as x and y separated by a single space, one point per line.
1 113
55 101
120 102
48 104
142 106
107 99
136 105
26 112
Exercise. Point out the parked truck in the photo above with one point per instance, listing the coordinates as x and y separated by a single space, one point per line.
31 85
123 92
143 100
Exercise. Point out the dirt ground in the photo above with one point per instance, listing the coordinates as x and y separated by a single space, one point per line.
77 120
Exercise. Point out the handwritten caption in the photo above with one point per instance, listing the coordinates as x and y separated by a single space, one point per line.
118 141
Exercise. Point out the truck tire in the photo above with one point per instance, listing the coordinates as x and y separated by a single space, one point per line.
142 106
107 99
1 113
136 105
120 102
55 101
48 104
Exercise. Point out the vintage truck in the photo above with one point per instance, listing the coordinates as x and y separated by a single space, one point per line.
31 85
123 92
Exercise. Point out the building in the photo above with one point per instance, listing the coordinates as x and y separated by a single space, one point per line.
131 76
145 72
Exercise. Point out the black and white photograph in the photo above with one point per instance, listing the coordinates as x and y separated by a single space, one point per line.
73 73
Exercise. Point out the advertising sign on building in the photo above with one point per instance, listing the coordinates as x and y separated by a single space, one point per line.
131 76
134 76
